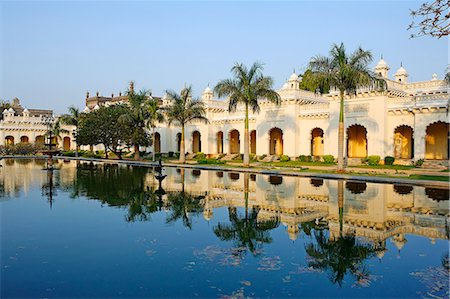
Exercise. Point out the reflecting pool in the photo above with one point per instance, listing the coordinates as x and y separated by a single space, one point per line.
107 230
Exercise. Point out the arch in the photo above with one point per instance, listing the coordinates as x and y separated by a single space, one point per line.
437 141
316 182
275 180
24 139
235 142
275 141
234 176
403 189
196 172
196 142
253 142
9 140
39 139
66 143
403 142
317 142
219 140
178 142
356 187
157 143
356 141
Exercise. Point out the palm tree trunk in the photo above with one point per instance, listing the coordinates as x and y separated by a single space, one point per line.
246 148
154 143
246 182
182 179
182 150
77 148
136 152
341 135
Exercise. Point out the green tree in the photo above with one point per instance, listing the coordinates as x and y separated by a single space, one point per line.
183 110
73 118
311 83
246 231
135 118
247 87
154 115
345 72
3 105
102 126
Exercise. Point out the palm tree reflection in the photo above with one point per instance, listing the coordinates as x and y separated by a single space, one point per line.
248 231
342 255
184 205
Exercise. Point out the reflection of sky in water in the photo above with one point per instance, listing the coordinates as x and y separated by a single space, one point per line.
84 247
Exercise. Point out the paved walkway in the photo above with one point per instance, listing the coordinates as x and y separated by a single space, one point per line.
286 171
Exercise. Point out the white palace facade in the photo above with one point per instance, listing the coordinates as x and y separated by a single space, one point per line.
408 120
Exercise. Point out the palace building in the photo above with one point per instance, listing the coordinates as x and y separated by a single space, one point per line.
408 120
22 125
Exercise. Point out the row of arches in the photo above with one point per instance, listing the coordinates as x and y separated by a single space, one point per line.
40 139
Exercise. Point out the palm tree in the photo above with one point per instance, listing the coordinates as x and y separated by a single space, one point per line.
248 231
3 105
184 110
447 77
55 131
135 118
154 115
346 72
73 119
247 87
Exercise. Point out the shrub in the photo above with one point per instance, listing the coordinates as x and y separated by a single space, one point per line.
239 157
303 158
328 159
20 149
252 157
171 154
68 153
220 156
284 158
316 158
200 155
419 163
389 160
373 160
262 157
209 161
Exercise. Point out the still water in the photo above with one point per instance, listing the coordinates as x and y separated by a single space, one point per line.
105 230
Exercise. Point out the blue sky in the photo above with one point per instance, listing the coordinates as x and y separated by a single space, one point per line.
53 52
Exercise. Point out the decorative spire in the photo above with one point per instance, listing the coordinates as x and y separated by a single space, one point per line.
87 94
131 86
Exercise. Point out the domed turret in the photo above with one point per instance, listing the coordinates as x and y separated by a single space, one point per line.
207 94
26 112
293 231
293 82
382 68
434 77
86 110
401 75
96 107
207 214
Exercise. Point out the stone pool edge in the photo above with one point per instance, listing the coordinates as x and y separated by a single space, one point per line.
380 180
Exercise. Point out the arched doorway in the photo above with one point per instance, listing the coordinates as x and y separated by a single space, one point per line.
196 142
276 141
39 139
9 140
253 142
317 142
178 142
403 142
235 142
66 143
436 141
24 139
356 141
219 137
157 143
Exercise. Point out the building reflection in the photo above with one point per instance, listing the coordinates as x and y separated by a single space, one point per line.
376 212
